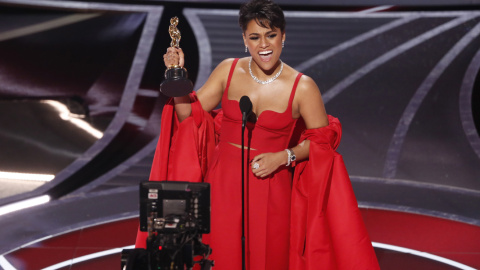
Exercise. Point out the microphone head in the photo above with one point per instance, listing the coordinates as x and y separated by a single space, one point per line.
245 105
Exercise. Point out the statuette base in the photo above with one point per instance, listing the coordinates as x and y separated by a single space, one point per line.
176 83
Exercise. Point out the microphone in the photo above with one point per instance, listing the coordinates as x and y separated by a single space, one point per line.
246 109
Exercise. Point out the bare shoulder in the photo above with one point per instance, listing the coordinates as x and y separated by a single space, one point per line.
310 103
211 92
225 65
307 87
219 74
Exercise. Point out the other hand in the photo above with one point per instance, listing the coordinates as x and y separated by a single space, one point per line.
268 163
174 57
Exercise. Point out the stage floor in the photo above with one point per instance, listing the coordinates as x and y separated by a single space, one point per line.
99 247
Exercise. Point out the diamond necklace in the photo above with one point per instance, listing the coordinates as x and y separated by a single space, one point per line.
267 81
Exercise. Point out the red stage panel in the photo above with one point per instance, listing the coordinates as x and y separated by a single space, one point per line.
391 260
445 238
76 244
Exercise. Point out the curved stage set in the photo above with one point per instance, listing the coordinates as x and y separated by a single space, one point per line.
80 109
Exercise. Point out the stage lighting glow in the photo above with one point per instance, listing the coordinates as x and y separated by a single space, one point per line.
9 208
375 9
66 115
44 26
6 264
424 255
87 257
26 176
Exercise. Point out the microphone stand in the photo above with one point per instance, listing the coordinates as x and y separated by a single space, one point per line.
244 121
246 109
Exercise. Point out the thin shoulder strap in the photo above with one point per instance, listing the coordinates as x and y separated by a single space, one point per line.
292 95
230 75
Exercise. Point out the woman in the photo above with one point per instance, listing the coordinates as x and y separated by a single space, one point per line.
263 28
280 95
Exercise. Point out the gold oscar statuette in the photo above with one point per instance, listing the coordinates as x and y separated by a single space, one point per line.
176 83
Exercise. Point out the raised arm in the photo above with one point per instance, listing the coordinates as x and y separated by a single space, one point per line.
209 95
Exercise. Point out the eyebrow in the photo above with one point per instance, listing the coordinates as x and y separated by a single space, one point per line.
257 34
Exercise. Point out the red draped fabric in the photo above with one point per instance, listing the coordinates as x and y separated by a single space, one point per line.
326 228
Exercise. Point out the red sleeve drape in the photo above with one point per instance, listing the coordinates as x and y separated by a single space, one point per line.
183 149
327 230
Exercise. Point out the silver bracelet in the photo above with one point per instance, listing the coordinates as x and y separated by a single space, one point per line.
289 157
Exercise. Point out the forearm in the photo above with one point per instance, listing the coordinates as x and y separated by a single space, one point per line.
183 108
266 163
302 150
175 57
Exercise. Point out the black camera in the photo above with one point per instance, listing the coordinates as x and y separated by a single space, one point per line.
175 207
175 214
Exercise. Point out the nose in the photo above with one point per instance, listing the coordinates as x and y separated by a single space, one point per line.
264 42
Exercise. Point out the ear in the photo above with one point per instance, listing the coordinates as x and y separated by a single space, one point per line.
244 39
283 36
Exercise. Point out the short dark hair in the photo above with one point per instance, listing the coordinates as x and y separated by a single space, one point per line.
265 12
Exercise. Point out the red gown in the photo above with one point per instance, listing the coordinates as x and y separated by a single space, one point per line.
307 238
267 200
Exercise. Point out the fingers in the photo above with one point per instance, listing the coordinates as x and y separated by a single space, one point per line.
181 56
258 166
258 157
173 57
170 60
259 170
262 174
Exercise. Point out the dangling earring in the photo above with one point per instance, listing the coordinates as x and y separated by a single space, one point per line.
283 43
246 48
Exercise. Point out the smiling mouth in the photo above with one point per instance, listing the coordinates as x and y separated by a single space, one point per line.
265 55
265 52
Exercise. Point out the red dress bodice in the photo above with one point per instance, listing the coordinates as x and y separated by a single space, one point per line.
270 133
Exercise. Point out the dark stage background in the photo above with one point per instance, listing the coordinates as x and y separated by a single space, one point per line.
79 103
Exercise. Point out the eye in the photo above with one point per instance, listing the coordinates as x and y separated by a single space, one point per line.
272 36
253 38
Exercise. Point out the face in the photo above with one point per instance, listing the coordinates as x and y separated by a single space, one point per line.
264 44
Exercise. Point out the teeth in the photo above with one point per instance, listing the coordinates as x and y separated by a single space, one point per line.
265 53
